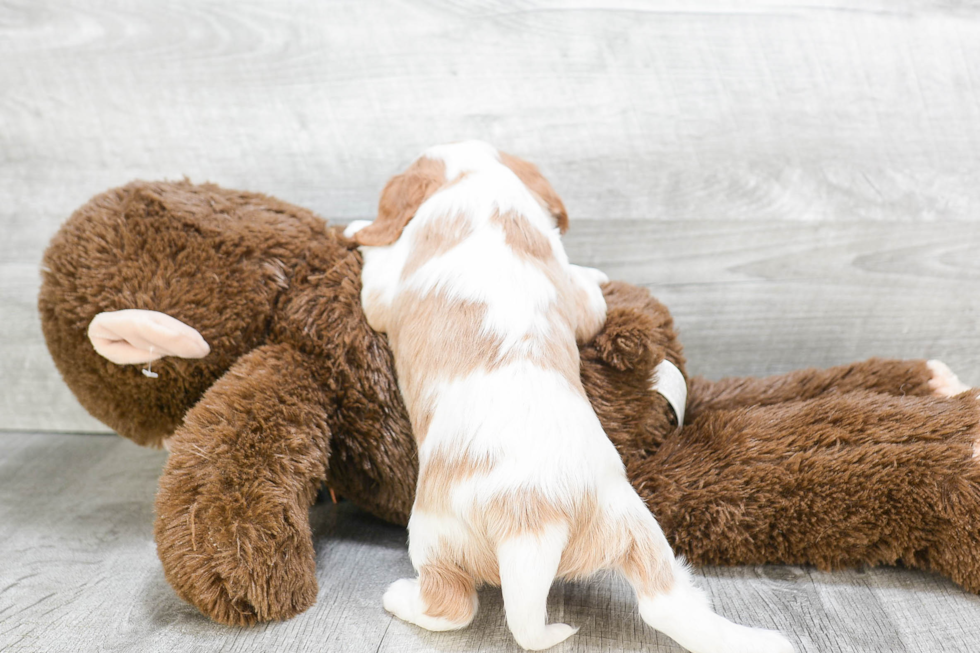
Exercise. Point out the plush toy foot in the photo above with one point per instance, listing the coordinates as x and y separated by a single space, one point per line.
943 382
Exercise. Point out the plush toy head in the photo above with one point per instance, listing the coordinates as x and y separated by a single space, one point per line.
210 259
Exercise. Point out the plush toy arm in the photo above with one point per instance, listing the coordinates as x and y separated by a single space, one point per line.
892 377
232 528
839 480
637 335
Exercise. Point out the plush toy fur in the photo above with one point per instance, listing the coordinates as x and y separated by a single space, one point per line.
867 463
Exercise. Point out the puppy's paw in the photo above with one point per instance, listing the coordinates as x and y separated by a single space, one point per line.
403 599
943 382
354 227
548 636
594 275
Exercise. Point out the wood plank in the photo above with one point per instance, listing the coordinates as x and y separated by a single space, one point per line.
32 394
757 298
80 573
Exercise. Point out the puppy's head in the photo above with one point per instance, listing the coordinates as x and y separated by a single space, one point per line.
405 193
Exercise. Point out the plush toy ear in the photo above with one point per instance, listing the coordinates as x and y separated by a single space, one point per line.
529 174
136 336
400 199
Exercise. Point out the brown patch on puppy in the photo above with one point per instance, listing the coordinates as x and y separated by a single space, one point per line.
522 237
442 236
646 566
529 174
401 198
519 512
559 354
572 307
422 418
447 590
440 474
448 339
599 542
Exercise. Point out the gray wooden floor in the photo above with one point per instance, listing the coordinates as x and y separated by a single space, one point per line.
799 181
79 573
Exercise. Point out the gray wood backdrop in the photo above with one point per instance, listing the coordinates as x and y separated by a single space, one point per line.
799 180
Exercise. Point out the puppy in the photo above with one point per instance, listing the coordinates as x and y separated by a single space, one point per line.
518 484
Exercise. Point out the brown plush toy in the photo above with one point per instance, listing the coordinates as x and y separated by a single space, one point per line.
871 463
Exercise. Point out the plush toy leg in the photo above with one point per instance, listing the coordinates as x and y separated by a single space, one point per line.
892 377
839 480
232 528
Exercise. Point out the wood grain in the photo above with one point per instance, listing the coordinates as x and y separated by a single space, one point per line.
756 298
793 111
79 573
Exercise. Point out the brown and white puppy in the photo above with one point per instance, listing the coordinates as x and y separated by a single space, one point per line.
518 483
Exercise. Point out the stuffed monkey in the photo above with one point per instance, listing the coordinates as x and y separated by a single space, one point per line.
247 356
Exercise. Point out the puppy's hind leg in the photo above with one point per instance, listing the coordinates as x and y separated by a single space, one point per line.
528 565
670 603
441 598
684 614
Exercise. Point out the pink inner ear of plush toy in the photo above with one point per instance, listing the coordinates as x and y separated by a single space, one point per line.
136 336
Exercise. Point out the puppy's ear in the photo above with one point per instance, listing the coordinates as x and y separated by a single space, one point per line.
529 174
400 199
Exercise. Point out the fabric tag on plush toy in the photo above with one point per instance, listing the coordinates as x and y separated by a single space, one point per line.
668 381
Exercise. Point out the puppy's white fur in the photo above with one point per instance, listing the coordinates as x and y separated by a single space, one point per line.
518 483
